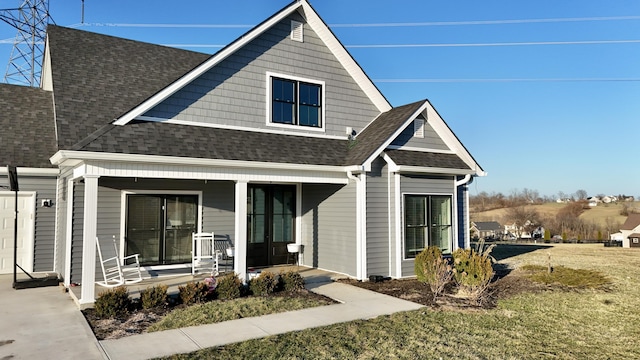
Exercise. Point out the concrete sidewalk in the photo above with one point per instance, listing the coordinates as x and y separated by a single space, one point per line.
356 303
43 323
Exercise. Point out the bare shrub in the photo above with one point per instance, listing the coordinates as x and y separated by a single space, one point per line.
433 269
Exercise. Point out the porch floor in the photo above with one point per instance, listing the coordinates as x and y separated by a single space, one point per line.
179 277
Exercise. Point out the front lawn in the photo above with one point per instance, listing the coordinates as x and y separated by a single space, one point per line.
554 323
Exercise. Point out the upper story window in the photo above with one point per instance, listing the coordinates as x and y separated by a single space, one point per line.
295 101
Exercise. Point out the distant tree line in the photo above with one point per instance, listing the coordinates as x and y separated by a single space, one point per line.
566 223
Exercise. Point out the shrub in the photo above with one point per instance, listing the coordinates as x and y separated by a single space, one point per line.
154 296
473 272
229 287
264 284
193 292
292 281
113 303
432 269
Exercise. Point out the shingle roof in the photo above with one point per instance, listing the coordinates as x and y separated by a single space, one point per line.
97 78
153 138
633 220
487 225
427 159
380 130
27 136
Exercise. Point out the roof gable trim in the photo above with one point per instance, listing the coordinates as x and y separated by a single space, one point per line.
316 23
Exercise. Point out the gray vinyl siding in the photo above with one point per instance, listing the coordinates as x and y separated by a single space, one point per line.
378 219
422 185
329 227
45 220
431 139
234 92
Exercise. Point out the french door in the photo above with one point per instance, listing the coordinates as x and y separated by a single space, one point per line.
270 223
159 227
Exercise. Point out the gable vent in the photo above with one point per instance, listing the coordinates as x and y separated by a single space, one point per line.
418 128
296 31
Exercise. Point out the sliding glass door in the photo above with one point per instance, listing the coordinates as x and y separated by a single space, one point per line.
159 227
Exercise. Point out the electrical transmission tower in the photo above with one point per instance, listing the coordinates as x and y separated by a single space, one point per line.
30 19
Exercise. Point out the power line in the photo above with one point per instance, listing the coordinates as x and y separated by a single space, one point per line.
399 24
388 46
586 42
506 80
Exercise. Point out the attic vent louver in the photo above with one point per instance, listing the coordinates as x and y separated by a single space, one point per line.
296 31
418 128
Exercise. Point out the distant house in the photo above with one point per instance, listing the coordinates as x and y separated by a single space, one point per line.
594 201
631 231
486 229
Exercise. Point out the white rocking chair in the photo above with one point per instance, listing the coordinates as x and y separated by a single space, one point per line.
205 256
116 271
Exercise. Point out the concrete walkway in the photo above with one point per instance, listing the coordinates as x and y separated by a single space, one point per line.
356 303
43 323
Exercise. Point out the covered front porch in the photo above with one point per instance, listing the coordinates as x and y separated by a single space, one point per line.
152 209
180 278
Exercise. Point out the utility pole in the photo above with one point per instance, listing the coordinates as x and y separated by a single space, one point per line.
25 63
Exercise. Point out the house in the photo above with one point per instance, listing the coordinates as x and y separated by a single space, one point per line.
280 137
486 229
631 231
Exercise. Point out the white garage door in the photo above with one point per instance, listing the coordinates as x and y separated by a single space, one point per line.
26 222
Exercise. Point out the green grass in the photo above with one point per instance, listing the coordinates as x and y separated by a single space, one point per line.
586 324
218 311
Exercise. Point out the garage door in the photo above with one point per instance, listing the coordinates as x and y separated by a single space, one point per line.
26 221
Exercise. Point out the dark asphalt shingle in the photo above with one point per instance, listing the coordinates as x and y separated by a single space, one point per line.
97 78
27 131
427 159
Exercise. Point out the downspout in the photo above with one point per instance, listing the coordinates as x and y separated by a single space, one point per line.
465 180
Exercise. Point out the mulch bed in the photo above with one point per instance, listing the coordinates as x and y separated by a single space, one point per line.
506 284
137 321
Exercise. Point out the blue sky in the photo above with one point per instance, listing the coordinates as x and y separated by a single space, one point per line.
570 121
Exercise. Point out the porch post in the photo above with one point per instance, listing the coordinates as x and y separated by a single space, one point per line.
87 295
68 238
240 243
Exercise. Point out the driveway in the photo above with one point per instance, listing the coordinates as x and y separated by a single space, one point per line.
42 323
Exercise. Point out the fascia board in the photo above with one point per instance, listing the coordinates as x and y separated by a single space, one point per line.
69 157
205 66
29 171
344 57
398 131
408 169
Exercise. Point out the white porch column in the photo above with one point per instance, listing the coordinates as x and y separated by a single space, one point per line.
68 238
89 239
240 243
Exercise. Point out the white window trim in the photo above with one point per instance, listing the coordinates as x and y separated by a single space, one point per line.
323 105
123 218
402 219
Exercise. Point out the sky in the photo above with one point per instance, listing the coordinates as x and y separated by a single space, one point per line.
544 94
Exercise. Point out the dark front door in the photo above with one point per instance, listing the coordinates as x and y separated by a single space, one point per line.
270 223
159 227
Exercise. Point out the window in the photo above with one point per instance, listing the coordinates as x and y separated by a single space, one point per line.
295 102
427 222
